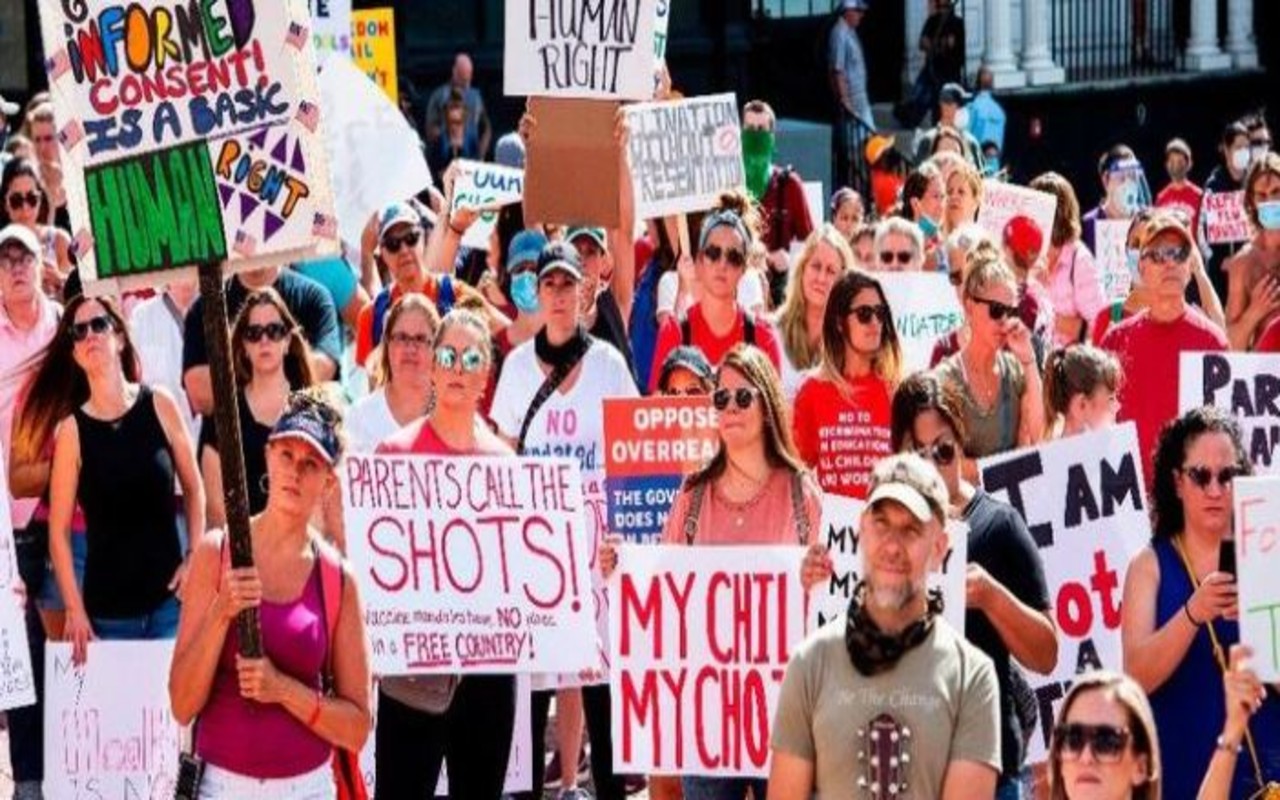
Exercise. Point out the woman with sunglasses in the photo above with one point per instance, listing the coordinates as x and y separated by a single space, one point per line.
754 491
27 203
121 439
549 402
823 260
899 246
271 360
402 377
268 726
995 370
1008 607
842 411
1105 744
717 322
1080 384
422 721
1180 608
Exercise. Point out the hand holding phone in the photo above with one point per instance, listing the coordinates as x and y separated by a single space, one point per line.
1227 557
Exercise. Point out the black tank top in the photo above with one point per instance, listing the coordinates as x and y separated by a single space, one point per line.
126 492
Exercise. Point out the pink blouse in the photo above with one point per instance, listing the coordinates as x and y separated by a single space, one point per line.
767 518
1075 287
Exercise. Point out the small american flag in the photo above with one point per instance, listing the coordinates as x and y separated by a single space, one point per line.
324 226
297 36
57 65
82 244
309 115
71 135
245 244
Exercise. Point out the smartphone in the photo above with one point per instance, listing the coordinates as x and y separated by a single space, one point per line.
1227 557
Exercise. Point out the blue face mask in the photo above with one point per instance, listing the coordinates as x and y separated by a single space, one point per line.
928 227
1131 261
524 292
1269 215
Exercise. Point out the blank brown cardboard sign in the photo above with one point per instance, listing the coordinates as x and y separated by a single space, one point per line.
572 167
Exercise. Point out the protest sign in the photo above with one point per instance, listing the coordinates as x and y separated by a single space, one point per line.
1110 240
651 444
1002 202
1257 531
816 200
925 309
373 47
17 680
661 24
700 638
684 153
485 187
573 163
331 28
1246 386
1224 219
108 730
841 524
375 156
214 157
562 48
1082 498
471 565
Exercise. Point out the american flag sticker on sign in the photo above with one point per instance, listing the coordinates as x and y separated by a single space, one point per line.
245 244
82 243
325 226
297 36
71 135
309 115
57 65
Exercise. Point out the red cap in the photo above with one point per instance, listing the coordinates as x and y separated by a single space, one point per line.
1023 236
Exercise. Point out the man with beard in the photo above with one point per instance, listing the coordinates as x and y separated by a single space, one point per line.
889 693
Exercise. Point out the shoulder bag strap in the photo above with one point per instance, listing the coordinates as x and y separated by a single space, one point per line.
548 388
686 330
748 328
331 580
799 508
697 494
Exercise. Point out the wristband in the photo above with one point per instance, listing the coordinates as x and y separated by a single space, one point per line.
315 713
1186 609
1228 747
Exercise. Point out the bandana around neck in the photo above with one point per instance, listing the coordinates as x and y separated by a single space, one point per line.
561 355
871 650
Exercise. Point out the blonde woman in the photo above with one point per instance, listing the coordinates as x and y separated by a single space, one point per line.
823 260
964 197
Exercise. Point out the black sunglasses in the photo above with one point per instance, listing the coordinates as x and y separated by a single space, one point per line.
1107 742
940 453
17 199
1203 476
731 256
996 309
903 257
743 397
99 325
866 314
392 244
275 331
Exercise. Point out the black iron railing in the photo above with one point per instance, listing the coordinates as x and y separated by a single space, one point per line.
1107 39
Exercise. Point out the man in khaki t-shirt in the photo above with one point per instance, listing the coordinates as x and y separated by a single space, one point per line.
926 723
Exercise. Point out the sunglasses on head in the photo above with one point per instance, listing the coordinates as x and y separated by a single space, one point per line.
743 397
97 325
940 453
868 314
1107 742
1203 476
1172 254
903 257
392 244
998 311
471 359
275 331
18 199
731 256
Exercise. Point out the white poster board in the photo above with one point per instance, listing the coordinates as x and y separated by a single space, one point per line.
1257 532
1083 501
925 309
604 51
485 187
108 730
17 679
331 28
1109 238
684 153
471 565
1225 221
1002 202
1246 386
841 522
692 692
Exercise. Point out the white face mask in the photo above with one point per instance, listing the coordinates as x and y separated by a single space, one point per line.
962 119
1240 159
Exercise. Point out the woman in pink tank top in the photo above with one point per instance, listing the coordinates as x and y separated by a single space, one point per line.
266 726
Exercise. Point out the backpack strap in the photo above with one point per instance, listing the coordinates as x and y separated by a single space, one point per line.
696 496
447 296
381 304
686 330
331 586
748 328
798 508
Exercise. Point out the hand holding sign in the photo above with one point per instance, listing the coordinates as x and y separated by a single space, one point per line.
1244 691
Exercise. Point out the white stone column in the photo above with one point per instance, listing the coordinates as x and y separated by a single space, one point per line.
998 53
1241 45
1037 59
1203 54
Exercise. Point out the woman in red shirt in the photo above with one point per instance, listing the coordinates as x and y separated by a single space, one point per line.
842 413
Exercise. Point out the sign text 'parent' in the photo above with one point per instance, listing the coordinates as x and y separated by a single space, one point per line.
471 565
1246 386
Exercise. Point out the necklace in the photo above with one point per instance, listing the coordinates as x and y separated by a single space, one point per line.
754 490
986 394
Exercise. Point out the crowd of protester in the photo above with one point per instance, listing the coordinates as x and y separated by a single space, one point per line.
418 345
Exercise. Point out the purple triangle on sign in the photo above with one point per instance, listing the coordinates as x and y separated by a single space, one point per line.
248 204
227 193
298 164
271 225
259 139
281 151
